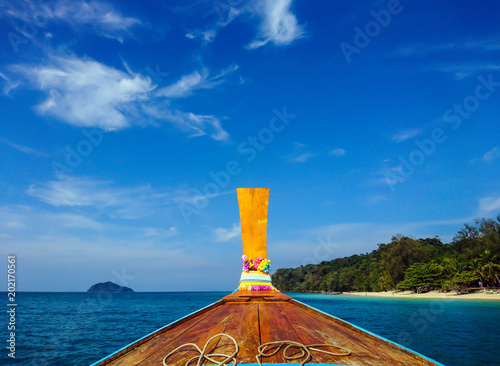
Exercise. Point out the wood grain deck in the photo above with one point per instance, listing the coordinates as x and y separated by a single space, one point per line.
254 318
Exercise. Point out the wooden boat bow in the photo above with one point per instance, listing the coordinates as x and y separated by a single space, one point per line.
254 318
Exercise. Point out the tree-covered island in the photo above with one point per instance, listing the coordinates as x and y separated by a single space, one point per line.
470 262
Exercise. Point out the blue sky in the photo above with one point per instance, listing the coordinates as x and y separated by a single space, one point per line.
127 127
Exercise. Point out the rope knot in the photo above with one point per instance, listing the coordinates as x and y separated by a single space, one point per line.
228 359
305 350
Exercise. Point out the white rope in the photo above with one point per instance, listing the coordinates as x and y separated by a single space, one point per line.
305 350
208 356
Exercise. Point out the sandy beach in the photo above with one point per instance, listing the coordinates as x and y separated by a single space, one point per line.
430 295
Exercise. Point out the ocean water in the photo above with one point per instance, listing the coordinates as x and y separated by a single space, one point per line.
78 328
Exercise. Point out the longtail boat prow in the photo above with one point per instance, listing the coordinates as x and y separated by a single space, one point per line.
258 325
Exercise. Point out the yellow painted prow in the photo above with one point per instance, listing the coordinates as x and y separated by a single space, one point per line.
253 204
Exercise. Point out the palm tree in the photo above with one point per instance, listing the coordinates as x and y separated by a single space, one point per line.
450 267
490 268
476 264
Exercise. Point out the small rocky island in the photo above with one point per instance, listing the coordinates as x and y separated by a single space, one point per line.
109 287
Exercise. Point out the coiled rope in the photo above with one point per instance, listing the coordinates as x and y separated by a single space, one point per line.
208 356
305 350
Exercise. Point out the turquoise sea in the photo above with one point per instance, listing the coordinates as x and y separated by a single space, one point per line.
78 328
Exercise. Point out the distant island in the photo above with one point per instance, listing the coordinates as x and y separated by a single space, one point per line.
109 287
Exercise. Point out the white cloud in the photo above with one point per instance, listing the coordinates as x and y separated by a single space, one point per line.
197 125
276 23
405 135
489 205
226 14
205 37
196 80
9 85
302 158
461 71
75 221
425 49
24 149
222 235
128 203
194 197
160 233
279 25
298 155
102 17
185 85
492 155
86 93
337 152
75 192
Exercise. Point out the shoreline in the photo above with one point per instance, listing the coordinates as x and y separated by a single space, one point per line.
428 295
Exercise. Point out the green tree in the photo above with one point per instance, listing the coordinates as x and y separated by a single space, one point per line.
401 253
490 269
476 265
463 280
422 276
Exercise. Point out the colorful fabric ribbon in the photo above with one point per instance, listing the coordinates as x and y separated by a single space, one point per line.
255 275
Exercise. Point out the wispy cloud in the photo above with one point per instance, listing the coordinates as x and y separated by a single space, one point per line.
41 236
102 17
24 149
9 85
492 155
225 12
279 25
299 155
205 37
489 205
276 22
466 45
459 70
193 197
194 124
160 233
405 135
98 196
76 192
87 93
464 70
196 80
302 158
222 235
337 152
16 218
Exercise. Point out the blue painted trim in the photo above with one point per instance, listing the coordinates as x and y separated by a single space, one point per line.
371 333
178 320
